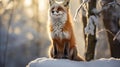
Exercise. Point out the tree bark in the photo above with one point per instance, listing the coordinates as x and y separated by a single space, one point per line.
90 39
111 22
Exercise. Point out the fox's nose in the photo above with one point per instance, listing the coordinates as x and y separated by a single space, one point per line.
53 11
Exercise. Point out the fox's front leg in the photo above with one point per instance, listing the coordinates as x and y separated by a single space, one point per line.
54 51
66 50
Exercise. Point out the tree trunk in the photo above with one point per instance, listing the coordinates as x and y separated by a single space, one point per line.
35 6
111 22
91 39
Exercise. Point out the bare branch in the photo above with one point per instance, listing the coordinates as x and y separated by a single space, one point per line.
114 3
118 33
81 5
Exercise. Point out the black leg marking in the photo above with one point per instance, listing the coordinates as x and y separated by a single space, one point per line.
66 50
55 51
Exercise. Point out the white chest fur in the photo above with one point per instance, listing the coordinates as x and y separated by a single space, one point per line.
58 31
58 23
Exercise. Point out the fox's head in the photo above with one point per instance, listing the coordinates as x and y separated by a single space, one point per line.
59 10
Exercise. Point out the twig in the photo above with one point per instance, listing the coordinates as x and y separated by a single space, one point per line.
106 31
98 12
106 7
81 5
118 33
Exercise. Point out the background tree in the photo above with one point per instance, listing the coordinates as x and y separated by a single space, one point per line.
91 39
111 18
107 14
23 31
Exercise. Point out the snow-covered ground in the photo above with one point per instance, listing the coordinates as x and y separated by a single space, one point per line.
48 62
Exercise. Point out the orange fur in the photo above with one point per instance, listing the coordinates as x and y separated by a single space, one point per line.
64 47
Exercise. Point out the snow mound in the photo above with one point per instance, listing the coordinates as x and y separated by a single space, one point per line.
49 62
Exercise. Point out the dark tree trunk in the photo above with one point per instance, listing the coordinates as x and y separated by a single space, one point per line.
111 22
90 41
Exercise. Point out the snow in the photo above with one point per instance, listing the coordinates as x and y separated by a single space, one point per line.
49 62
92 22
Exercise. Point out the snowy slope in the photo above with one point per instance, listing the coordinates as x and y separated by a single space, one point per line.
48 62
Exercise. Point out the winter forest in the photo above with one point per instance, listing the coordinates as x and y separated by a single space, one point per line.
24 36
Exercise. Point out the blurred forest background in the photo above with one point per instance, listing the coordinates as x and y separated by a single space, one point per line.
24 36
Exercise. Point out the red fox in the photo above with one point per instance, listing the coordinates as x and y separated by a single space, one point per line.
61 32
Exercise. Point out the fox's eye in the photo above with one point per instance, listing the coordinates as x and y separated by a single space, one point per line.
52 11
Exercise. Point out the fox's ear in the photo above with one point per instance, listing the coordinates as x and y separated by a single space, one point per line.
51 2
66 3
